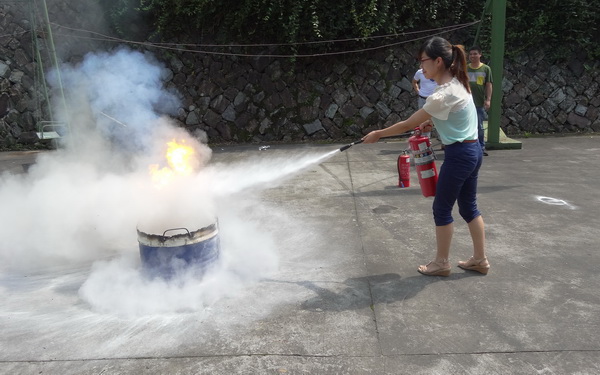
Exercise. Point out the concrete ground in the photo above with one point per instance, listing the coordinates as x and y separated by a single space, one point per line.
346 297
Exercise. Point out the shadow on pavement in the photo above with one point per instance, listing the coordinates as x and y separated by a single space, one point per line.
368 291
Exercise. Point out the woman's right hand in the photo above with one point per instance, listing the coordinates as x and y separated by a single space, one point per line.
372 137
426 126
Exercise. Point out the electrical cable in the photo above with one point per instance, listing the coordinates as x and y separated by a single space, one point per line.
331 41
167 46
15 34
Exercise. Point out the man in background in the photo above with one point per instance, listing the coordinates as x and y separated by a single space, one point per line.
480 80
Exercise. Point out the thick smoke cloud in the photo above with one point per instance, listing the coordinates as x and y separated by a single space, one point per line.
79 206
120 95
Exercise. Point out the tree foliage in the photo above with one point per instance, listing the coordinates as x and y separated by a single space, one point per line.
558 26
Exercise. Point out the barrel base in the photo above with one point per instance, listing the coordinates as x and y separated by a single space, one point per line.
168 262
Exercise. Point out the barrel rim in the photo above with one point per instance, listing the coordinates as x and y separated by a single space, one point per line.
184 238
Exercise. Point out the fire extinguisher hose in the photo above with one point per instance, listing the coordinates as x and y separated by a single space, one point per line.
344 148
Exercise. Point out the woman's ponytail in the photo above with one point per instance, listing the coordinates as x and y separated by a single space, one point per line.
458 68
454 57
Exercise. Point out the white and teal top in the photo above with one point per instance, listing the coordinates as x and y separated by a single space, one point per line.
453 111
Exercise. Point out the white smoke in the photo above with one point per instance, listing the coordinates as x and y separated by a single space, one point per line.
119 94
82 203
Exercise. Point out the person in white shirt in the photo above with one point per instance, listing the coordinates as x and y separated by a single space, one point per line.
423 87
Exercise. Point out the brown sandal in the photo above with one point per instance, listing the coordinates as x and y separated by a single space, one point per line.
472 264
440 269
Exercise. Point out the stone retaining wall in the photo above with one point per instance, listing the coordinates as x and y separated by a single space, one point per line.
242 99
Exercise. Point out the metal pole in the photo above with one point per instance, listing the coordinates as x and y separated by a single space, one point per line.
56 66
497 66
40 78
486 9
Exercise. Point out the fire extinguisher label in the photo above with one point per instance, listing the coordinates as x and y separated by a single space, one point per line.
422 146
428 173
425 159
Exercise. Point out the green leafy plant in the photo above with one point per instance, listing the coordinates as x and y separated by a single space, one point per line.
556 26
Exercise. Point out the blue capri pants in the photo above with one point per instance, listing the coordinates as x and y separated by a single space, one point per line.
457 182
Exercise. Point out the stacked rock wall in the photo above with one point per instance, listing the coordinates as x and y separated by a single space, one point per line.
250 99
18 94
540 98
263 99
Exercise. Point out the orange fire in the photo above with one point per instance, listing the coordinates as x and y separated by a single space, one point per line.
181 160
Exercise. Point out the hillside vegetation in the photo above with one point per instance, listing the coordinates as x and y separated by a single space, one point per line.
559 27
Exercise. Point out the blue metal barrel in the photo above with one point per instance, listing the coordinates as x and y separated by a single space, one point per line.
179 250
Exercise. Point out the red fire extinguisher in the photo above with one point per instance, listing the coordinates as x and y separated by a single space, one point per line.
424 162
404 170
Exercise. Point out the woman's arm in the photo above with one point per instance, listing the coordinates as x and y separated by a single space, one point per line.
410 123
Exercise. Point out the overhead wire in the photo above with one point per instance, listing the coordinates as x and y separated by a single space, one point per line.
15 34
176 46
442 29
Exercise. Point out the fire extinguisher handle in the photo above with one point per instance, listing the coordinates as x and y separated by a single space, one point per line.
417 131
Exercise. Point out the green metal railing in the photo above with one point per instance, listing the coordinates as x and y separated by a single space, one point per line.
497 8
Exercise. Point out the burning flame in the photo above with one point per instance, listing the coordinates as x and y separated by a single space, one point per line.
181 161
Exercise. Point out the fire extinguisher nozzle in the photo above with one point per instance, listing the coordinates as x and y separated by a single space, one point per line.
344 148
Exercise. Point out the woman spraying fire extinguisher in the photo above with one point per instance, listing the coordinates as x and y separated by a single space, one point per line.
453 113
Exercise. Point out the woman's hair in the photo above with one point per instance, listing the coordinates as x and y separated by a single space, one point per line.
453 56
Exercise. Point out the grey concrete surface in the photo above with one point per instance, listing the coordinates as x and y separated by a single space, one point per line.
346 297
